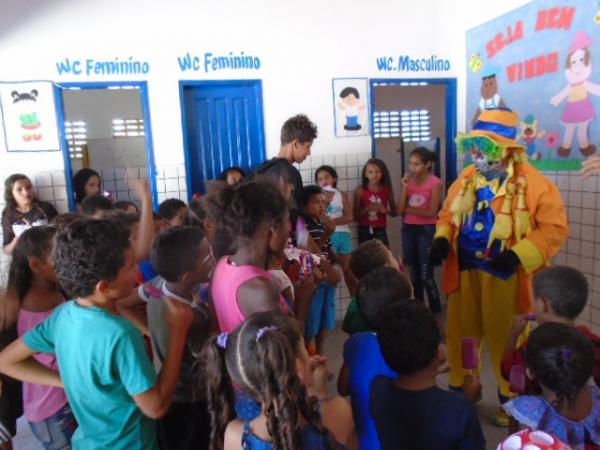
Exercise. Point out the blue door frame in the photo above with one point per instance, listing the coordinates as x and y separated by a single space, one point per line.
451 115
183 84
143 87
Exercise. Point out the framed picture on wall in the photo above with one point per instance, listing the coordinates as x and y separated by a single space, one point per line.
29 116
351 107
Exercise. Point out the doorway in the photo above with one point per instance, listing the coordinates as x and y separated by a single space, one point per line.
409 113
222 127
106 127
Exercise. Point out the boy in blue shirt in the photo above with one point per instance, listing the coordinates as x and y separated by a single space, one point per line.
110 382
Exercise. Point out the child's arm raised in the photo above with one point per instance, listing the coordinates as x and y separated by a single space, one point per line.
146 230
155 402
17 362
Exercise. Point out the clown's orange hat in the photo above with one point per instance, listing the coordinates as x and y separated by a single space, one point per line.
498 124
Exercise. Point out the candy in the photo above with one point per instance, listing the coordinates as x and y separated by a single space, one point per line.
517 379
530 317
470 353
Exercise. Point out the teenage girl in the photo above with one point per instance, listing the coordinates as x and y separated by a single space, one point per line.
266 358
373 201
33 282
22 211
340 211
86 183
419 204
562 359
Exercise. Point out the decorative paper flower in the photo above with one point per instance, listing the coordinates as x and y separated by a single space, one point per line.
553 139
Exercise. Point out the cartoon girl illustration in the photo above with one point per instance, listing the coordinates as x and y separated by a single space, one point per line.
351 105
579 111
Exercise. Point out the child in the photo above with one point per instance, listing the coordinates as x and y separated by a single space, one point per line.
33 281
127 206
411 412
86 183
560 295
256 214
174 212
373 201
94 205
265 356
321 316
22 210
362 356
368 256
110 382
183 260
340 211
561 359
419 204
232 175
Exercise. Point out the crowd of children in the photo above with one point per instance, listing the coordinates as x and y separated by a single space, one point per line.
192 327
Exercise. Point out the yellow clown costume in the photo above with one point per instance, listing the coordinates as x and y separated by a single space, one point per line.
498 230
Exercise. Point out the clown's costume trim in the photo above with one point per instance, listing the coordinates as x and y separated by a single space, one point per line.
502 220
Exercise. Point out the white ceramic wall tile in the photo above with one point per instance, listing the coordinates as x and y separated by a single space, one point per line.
45 193
108 174
172 184
171 172
58 179
43 180
588 217
60 193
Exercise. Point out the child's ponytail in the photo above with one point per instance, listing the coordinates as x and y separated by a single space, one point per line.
219 390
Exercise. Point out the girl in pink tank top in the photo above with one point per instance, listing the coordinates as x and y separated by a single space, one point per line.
256 214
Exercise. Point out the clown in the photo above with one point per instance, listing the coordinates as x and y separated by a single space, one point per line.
502 220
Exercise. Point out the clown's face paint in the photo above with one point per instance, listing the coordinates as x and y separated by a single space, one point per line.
490 169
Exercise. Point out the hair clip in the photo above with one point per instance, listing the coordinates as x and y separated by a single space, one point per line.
222 340
262 331
566 353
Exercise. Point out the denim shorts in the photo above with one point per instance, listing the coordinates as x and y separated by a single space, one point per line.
321 315
55 432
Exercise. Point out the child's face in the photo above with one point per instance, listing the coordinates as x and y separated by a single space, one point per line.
301 150
124 283
373 174
233 177
315 207
92 187
417 167
44 268
204 264
22 192
324 178
179 218
578 71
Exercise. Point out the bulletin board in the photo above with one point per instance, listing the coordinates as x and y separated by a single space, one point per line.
543 62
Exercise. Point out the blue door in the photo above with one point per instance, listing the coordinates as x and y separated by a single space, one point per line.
223 127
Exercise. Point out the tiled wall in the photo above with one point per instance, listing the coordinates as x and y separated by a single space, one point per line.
50 187
116 181
171 182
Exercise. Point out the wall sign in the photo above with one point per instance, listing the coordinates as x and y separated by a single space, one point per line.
351 114
29 116
210 62
89 67
543 63
409 63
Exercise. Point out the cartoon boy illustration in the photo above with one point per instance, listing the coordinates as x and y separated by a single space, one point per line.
579 110
351 104
530 132
29 120
490 98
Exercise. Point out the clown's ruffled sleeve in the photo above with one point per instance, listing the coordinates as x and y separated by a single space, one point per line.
550 224
445 228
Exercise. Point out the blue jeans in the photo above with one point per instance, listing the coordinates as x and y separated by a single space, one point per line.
416 243
55 432
366 233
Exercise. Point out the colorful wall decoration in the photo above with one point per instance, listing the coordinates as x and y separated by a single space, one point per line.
350 106
29 116
542 61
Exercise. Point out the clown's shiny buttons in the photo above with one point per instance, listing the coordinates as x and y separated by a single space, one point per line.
479 226
479 255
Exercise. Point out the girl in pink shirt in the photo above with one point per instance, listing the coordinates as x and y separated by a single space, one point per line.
255 213
419 204
33 282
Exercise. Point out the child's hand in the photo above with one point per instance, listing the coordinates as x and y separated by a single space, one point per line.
330 227
179 317
141 187
472 387
404 181
518 325
320 375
